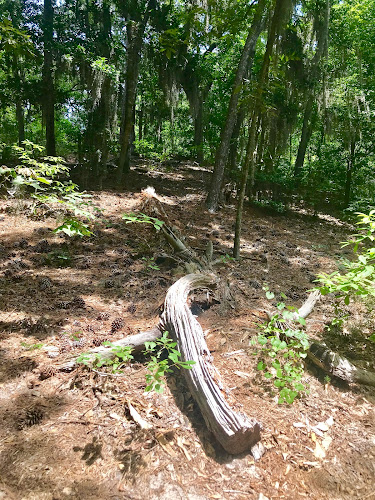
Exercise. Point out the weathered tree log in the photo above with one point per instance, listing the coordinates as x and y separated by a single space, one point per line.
322 356
234 430
136 341
338 366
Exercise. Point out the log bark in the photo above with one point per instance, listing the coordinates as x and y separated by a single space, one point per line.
234 430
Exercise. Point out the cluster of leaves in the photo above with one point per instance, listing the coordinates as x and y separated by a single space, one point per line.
46 180
282 351
123 354
158 367
163 358
358 276
143 218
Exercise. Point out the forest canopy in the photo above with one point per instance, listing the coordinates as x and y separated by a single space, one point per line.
277 95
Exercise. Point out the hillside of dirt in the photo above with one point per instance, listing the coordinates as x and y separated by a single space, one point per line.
73 435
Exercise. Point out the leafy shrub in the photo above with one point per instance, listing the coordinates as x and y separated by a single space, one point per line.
282 351
46 180
357 279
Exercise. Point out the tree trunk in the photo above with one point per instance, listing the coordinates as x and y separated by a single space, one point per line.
135 32
322 21
349 173
20 122
48 80
305 138
250 151
227 131
198 131
234 430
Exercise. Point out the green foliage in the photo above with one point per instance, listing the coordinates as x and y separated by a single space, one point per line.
31 347
123 354
150 263
158 367
46 181
226 258
358 277
144 219
281 353
58 258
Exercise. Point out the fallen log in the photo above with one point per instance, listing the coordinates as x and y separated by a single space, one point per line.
234 430
137 342
322 356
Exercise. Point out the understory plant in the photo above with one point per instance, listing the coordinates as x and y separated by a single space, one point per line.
357 279
46 181
281 351
163 358
158 367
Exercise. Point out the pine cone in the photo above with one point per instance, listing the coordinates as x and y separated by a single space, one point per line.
42 247
103 316
98 341
132 308
109 284
45 283
78 302
64 304
117 324
32 416
47 372
76 344
65 345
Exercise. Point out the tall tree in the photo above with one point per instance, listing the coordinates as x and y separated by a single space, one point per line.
48 98
136 15
227 131
321 24
281 9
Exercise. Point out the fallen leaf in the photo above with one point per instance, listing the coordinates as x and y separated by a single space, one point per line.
137 418
319 451
326 442
322 426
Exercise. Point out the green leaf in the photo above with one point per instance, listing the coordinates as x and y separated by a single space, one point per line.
270 295
261 366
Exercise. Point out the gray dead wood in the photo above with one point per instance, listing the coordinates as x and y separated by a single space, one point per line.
329 361
136 341
233 429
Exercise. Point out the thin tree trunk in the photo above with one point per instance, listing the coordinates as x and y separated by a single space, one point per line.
227 131
20 122
349 173
198 131
135 32
305 138
48 81
321 50
234 140
251 144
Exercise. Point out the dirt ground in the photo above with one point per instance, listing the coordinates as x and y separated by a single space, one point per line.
71 435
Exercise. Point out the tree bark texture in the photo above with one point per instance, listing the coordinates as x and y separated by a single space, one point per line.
322 24
234 430
48 99
135 31
227 131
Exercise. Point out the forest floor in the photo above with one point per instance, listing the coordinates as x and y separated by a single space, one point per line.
72 435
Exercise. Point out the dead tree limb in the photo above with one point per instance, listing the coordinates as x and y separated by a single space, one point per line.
322 356
234 430
136 341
